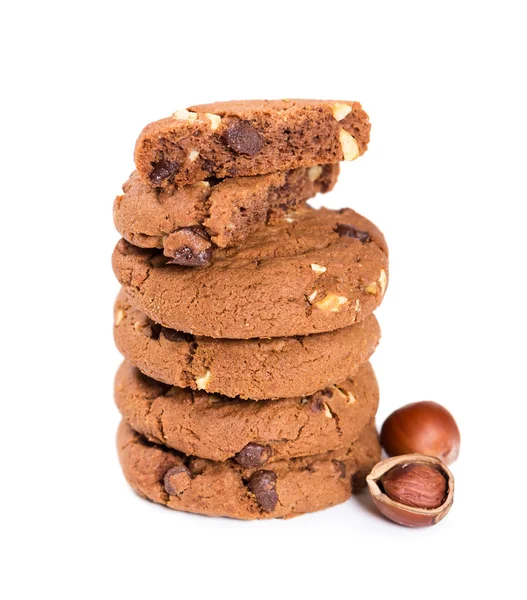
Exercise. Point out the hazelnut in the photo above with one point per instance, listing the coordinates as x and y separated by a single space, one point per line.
185 115
314 173
119 317
350 148
202 382
331 302
413 490
215 120
340 110
318 268
422 427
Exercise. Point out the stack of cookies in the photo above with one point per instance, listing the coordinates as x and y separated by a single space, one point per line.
245 316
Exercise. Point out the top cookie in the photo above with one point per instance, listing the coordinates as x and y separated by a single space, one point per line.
251 137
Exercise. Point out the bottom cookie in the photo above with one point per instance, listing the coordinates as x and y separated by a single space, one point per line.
286 489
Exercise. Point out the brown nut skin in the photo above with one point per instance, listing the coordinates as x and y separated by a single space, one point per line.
423 428
409 516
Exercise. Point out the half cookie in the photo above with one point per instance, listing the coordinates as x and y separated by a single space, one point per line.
285 488
240 138
314 271
253 433
256 369
189 223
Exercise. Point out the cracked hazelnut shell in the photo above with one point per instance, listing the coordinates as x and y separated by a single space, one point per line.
404 514
422 428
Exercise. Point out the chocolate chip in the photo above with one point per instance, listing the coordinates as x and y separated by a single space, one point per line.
317 405
189 247
173 335
177 480
263 485
341 467
163 169
349 231
208 165
253 455
243 138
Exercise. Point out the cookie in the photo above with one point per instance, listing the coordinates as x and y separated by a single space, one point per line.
253 137
314 271
252 433
188 223
285 488
253 369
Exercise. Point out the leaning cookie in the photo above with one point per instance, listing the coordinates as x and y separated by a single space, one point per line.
314 271
253 433
253 137
286 488
255 369
188 223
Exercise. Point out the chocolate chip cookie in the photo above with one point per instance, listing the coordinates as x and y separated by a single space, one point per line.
253 433
284 488
188 223
314 271
253 369
253 137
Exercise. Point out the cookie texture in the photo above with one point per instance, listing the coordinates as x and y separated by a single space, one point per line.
254 137
285 488
314 271
255 369
188 223
218 428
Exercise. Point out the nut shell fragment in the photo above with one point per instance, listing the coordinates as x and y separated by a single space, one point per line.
409 516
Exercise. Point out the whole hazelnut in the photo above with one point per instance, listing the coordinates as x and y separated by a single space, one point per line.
413 490
423 428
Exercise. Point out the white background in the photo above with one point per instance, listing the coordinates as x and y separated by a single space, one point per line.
445 179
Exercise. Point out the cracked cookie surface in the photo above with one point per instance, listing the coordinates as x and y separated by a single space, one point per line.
255 369
285 488
218 428
314 271
226 211
251 137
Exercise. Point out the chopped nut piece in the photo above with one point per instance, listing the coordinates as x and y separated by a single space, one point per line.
185 115
350 149
318 268
383 280
314 172
341 110
312 296
371 289
351 398
215 121
119 316
193 154
327 411
202 382
357 305
331 302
